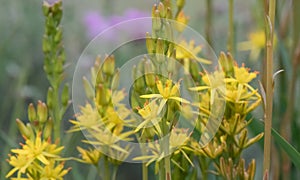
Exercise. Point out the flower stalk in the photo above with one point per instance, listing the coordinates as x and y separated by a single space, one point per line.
270 21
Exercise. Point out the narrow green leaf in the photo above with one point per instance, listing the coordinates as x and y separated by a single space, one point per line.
293 154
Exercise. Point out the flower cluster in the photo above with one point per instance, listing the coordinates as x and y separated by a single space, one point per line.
39 157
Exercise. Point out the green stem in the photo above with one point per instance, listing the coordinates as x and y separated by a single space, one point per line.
145 171
230 43
144 153
209 13
106 169
56 113
269 85
168 167
114 173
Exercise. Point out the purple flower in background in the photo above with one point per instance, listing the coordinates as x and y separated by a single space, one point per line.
51 1
95 23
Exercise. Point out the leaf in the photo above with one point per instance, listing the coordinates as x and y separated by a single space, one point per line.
293 154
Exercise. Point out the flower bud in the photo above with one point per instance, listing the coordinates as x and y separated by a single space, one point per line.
23 129
46 46
58 35
65 96
46 8
149 44
101 95
160 50
169 14
180 3
88 88
171 67
194 70
50 98
227 64
116 80
42 112
169 32
48 129
154 7
149 75
161 9
31 113
109 65
156 21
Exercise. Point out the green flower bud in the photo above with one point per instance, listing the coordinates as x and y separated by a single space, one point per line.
58 67
227 64
154 8
150 44
88 88
30 129
46 46
23 129
149 75
42 112
194 70
169 32
169 14
180 3
116 80
160 50
58 35
31 113
243 137
109 65
65 96
48 129
161 9
101 95
50 98
171 66
156 21
46 8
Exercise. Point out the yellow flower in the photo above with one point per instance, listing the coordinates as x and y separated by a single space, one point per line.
149 115
177 144
88 119
90 156
33 155
52 172
242 74
182 20
168 91
188 51
255 44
